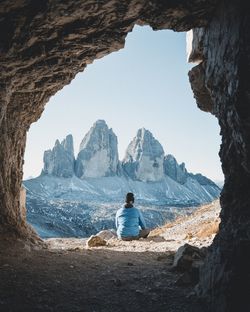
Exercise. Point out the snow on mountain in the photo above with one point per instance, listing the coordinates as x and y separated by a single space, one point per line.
144 158
67 207
98 155
80 197
113 189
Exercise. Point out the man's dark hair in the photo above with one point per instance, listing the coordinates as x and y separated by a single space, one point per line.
130 198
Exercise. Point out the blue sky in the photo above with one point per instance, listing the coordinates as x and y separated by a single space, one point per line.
143 85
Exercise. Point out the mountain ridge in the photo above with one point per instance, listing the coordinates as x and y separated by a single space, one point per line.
144 160
79 196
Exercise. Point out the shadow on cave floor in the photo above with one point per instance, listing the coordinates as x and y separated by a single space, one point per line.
90 280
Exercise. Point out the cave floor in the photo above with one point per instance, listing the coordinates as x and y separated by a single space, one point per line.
96 280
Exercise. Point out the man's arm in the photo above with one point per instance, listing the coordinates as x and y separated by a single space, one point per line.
142 222
116 220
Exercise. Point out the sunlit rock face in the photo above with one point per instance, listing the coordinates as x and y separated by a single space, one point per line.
60 160
174 170
98 155
194 41
144 158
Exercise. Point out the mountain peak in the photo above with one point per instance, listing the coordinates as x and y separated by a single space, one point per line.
60 160
143 132
144 157
98 154
100 122
174 170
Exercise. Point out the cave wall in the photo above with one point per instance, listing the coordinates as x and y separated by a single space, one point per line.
224 49
44 44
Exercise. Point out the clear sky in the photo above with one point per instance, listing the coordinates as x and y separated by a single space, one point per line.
143 85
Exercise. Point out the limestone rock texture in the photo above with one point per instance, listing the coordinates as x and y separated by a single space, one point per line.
44 44
60 161
174 170
98 155
95 241
144 158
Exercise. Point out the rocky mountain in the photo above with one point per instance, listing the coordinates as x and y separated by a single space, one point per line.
80 197
174 170
59 161
144 158
98 155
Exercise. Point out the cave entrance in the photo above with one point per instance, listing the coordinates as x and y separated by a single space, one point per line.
144 85
45 44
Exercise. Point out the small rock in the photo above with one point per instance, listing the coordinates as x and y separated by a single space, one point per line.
185 256
95 241
189 260
106 234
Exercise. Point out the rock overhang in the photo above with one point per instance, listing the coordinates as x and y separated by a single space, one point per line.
44 44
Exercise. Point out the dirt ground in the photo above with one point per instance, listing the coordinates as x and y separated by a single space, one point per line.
90 280
123 276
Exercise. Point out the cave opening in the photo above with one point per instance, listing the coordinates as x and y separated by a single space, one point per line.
120 88
44 45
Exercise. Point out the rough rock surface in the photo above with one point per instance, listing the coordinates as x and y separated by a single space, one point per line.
174 170
224 91
95 241
60 161
144 161
144 158
23 202
44 44
106 234
201 179
98 155
189 260
195 45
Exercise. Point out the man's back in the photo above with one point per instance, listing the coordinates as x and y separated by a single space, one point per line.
128 221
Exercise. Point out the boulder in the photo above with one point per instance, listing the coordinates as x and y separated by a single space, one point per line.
106 234
95 241
188 260
186 256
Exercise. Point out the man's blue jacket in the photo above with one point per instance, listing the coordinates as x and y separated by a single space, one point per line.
127 222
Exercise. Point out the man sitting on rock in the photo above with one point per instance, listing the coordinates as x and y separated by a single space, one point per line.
129 221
